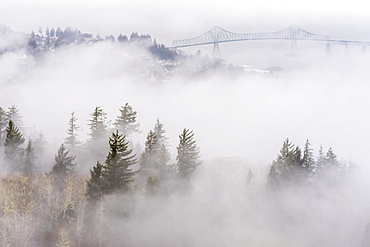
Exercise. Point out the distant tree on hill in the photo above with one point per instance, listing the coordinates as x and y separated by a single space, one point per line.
52 32
122 38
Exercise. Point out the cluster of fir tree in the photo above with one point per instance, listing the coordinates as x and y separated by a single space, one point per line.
292 166
16 157
153 162
52 38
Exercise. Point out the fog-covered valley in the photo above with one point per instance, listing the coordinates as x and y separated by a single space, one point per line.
241 182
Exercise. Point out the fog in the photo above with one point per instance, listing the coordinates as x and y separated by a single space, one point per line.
316 97
240 121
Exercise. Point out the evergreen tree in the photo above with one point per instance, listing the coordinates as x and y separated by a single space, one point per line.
71 141
308 160
126 122
160 132
331 159
321 160
14 115
95 184
64 163
288 166
149 159
98 134
122 38
164 154
3 124
117 173
13 147
29 166
52 32
187 154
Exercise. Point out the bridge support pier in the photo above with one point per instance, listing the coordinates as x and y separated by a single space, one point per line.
328 48
346 51
216 51
364 49
293 45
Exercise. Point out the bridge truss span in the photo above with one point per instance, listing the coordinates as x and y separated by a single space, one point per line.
219 35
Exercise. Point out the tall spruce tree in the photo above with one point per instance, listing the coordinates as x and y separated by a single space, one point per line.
13 147
288 166
308 159
188 154
164 154
95 184
3 124
29 166
126 122
14 115
64 163
117 172
98 134
71 141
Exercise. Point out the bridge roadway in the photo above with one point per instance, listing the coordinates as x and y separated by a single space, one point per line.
218 35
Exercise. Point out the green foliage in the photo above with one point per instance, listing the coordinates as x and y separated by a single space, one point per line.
187 154
64 163
126 122
29 166
14 115
3 124
98 134
291 167
71 141
95 184
288 166
116 174
13 147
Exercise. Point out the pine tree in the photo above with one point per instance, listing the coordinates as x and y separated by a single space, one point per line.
187 154
160 132
14 115
149 159
321 160
71 141
164 154
29 166
117 173
288 166
95 184
308 159
98 134
3 124
331 159
64 163
13 150
126 122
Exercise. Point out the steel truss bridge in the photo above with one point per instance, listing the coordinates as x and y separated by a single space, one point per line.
218 35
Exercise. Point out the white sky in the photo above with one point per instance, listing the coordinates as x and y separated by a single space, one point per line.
170 20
